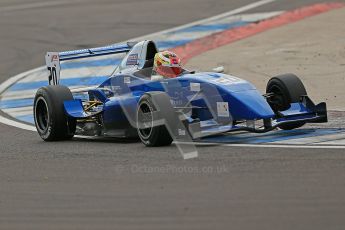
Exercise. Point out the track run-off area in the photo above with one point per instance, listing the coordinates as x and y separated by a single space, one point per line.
190 40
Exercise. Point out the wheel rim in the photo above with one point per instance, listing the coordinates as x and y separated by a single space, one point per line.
41 114
280 102
145 120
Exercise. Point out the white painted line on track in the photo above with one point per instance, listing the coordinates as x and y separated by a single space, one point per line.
238 145
37 5
273 146
7 84
334 142
16 78
12 95
257 16
314 140
20 111
17 124
207 20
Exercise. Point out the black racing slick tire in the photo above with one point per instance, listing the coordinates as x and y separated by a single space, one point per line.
51 121
287 89
151 135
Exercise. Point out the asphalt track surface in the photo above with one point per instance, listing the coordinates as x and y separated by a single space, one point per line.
84 184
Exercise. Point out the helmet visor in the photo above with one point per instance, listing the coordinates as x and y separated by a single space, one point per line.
169 72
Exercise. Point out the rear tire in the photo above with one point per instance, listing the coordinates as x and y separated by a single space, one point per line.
51 121
151 136
287 89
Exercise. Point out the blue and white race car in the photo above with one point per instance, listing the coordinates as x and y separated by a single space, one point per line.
131 103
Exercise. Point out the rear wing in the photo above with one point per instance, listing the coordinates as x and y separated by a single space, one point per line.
53 58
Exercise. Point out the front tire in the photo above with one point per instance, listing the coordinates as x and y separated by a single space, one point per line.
150 135
286 89
51 122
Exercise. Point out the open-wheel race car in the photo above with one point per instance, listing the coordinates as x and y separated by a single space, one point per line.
132 103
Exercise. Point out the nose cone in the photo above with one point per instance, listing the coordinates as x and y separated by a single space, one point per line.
245 101
250 105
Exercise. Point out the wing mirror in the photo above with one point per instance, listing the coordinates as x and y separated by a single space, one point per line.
218 69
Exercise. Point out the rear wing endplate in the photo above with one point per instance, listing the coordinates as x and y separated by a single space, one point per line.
53 58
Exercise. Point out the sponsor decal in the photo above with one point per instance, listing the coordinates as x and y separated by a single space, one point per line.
223 109
127 80
181 132
54 58
90 51
195 87
132 59
227 80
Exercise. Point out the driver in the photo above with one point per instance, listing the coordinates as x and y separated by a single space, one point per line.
166 64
